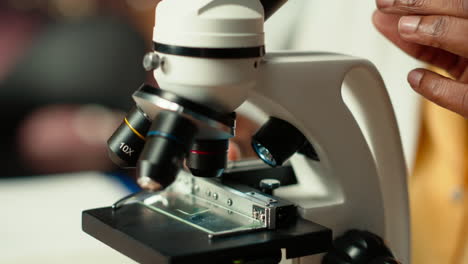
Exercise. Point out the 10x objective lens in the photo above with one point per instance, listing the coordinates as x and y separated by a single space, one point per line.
125 145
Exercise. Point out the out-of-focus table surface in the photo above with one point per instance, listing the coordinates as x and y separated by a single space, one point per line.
40 219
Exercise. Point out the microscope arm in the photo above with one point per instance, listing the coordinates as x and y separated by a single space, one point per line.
353 185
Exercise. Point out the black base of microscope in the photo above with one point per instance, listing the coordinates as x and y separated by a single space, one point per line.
150 237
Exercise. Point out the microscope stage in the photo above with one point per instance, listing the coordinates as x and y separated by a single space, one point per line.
148 236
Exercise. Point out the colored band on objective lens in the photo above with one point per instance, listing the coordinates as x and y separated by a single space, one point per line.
199 152
133 129
165 135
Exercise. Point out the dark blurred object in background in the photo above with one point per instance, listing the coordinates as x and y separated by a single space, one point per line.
95 60
64 52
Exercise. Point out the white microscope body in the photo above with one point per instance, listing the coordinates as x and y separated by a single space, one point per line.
360 181
211 53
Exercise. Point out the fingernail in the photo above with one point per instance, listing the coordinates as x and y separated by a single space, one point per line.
385 3
408 24
415 77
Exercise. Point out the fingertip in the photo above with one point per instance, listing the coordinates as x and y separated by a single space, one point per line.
377 18
387 24
441 90
415 77
382 4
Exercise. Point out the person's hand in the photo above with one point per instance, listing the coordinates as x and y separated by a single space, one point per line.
436 32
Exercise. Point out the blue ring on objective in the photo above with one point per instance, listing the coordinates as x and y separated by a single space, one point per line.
165 135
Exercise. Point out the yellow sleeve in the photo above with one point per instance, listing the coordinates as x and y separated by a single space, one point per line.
438 185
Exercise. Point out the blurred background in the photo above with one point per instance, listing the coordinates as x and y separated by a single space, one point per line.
67 72
63 62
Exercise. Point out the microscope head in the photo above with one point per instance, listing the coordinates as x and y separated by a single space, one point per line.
206 58
210 49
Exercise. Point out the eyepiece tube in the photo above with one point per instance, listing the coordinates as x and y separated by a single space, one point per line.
168 141
271 6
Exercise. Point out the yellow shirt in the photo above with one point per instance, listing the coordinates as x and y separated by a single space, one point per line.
438 184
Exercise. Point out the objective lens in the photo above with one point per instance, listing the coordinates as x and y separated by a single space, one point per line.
167 143
208 158
125 145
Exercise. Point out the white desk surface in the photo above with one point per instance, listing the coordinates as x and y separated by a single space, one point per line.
40 220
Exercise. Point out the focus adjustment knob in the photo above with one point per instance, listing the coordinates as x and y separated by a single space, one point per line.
269 185
359 247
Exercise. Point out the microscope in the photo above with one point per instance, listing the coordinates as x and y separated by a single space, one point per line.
331 184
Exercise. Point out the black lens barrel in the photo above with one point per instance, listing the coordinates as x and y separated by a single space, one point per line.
127 142
276 141
168 141
208 158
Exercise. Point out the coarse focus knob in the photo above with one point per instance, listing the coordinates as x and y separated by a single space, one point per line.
359 247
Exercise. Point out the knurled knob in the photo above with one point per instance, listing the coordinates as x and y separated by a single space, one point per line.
269 185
